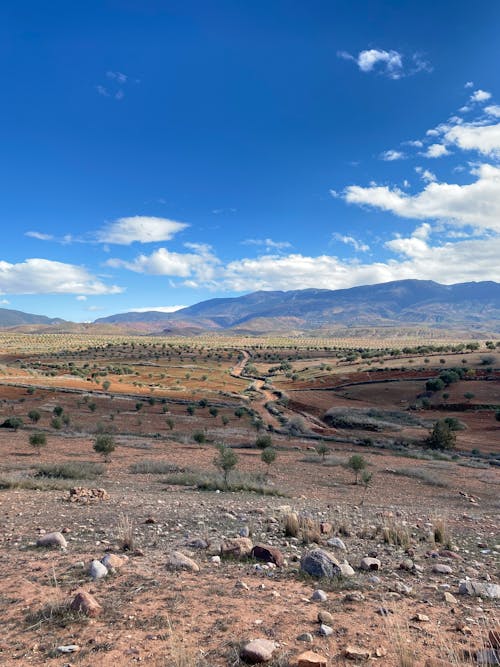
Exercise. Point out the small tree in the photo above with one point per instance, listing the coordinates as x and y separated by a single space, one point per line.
37 441
268 456
441 436
322 450
356 463
104 444
225 461
34 416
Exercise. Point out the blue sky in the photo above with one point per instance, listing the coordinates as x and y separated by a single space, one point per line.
156 153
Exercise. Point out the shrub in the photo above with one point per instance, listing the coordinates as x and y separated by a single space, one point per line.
38 440
104 444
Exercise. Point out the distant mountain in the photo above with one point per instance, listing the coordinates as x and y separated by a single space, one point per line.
15 318
402 302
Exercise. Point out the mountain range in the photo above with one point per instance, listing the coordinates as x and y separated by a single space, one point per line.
397 303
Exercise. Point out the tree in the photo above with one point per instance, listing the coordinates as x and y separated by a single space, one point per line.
322 450
104 444
356 463
268 456
37 441
441 436
34 416
225 461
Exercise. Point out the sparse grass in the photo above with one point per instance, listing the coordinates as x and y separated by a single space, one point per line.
421 474
72 470
154 467
208 481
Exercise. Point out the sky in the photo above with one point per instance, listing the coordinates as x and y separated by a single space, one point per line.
157 153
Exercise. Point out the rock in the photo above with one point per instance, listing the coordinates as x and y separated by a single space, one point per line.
325 630
440 568
268 554
449 598
368 563
319 595
178 561
325 617
237 547
70 648
480 589
305 637
258 650
52 540
494 637
113 561
357 653
336 543
85 603
346 570
310 659
97 570
318 563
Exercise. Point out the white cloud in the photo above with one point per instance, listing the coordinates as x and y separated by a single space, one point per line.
159 309
480 96
476 136
391 155
476 204
39 235
436 150
359 246
43 276
140 228
425 174
269 244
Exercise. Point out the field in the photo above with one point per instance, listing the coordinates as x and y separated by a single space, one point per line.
430 516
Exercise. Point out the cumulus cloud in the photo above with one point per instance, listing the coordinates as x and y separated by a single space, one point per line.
141 229
476 204
391 155
43 276
359 246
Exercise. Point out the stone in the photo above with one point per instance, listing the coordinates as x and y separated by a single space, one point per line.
357 653
368 563
84 603
318 563
480 589
237 547
178 561
113 561
325 617
258 650
311 659
336 543
440 568
325 630
97 570
268 554
319 595
55 539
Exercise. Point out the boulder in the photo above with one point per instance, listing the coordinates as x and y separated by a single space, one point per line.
319 563
268 554
55 539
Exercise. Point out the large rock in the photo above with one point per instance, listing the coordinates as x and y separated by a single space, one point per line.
268 554
178 561
258 650
237 547
482 589
311 659
319 563
52 540
84 603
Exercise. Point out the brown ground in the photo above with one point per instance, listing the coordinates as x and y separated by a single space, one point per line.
158 617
